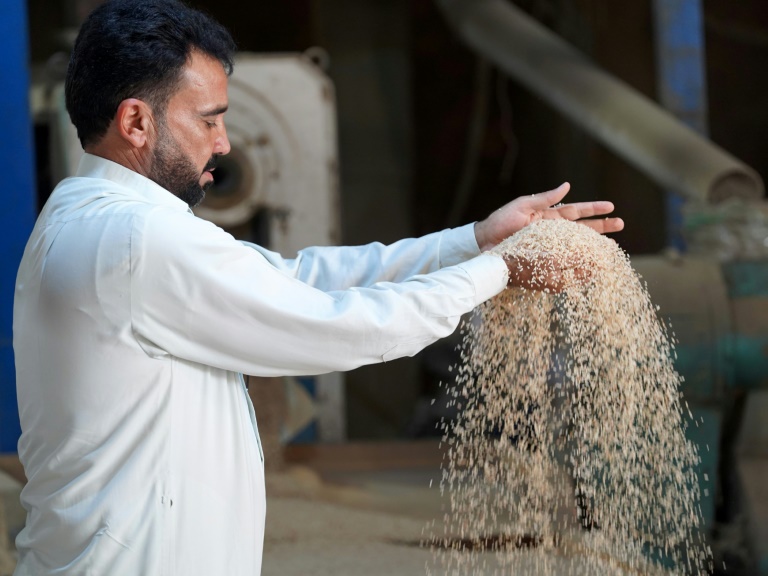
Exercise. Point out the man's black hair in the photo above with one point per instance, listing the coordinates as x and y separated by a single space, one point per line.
136 49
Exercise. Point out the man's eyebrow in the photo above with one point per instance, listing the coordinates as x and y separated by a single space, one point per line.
215 111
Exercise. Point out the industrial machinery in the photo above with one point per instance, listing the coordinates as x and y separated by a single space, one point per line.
715 297
718 311
279 187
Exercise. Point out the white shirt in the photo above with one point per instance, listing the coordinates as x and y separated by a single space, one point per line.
133 320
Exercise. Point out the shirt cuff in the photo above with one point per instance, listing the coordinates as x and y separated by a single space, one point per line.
489 274
458 245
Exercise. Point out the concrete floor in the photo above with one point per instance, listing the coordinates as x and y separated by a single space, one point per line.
11 521
359 520
323 539
354 519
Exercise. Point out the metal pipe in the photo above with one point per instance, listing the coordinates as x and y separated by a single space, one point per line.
633 126
682 82
19 198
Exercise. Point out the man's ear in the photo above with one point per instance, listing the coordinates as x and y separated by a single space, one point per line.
135 122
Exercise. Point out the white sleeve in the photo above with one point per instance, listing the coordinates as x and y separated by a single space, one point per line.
198 294
341 267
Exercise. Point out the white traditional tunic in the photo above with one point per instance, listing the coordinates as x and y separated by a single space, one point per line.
133 320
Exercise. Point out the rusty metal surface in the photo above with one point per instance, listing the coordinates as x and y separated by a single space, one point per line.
747 282
692 298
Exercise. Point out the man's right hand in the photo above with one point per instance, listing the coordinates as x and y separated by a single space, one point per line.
544 273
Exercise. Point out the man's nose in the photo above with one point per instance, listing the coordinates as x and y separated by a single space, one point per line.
222 146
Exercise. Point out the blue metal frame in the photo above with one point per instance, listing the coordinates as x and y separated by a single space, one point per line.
680 65
19 198
681 81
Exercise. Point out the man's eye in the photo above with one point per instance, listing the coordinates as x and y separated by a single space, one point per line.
211 124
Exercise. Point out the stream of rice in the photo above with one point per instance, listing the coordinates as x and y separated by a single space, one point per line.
570 440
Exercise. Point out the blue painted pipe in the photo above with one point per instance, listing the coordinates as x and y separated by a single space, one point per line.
19 198
682 84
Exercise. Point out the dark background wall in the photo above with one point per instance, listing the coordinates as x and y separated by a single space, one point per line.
407 89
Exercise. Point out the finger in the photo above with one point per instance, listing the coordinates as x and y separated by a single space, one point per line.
604 225
579 210
550 198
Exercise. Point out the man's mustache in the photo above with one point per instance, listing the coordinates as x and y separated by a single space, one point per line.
211 164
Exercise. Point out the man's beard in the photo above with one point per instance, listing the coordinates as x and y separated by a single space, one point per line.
172 170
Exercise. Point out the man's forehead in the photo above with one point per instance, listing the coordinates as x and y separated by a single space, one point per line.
204 71
205 81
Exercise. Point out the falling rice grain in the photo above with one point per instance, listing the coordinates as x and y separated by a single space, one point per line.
571 431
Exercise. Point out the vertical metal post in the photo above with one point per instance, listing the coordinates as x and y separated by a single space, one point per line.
19 205
370 68
681 81
682 90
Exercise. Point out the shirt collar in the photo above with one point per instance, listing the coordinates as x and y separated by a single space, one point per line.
97 167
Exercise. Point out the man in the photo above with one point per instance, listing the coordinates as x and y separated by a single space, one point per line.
134 319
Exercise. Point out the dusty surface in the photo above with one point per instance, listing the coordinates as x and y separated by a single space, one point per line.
320 538
371 523
11 519
311 537
7 562
359 523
